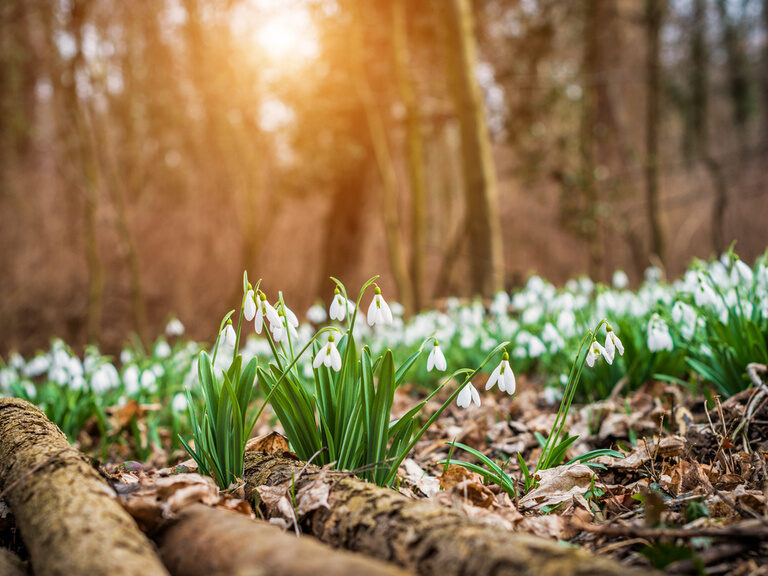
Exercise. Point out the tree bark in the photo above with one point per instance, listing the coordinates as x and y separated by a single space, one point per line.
419 535
69 518
482 212
415 147
654 13
10 564
206 541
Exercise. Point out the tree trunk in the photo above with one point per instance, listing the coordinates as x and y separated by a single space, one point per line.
590 222
203 541
419 535
765 72
654 12
415 146
69 518
344 226
738 65
482 212
385 165
699 121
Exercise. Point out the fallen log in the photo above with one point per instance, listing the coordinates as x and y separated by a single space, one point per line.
205 541
10 564
69 518
418 535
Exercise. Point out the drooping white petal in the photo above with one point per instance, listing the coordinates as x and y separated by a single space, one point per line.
335 358
509 381
372 311
249 310
465 396
494 378
319 357
475 395
259 320
439 362
338 309
228 336
431 359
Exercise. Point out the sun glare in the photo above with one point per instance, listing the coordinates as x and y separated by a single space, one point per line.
287 34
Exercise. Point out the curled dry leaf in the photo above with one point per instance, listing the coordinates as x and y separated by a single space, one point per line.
560 485
269 443
644 452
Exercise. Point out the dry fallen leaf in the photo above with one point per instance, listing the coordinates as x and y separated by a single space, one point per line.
559 485
270 443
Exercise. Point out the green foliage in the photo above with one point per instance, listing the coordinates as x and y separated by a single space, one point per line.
222 430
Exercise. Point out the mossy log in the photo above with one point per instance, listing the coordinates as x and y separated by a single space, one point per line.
69 518
204 541
419 535
10 564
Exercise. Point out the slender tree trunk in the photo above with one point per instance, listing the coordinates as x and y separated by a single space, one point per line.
386 166
765 72
482 212
81 142
699 121
654 12
415 146
590 223
738 65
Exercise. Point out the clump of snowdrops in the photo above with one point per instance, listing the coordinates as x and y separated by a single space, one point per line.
341 412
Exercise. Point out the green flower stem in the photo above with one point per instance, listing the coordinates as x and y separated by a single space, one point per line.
393 470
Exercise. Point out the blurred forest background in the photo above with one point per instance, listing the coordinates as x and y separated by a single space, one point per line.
151 150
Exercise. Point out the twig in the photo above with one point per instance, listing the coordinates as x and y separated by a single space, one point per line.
750 530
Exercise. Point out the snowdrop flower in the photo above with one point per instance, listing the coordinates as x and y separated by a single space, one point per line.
378 311
436 358
685 316
104 378
249 308
620 280
502 375
179 403
264 309
290 317
131 379
228 335
338 308
174 327
468 395
659 337
595 351
162 349
328 356
316 314
126 356
148 380
741 271
612 343
536 347
703 294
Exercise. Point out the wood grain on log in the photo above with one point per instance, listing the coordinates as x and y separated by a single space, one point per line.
69 518
419 535
204 541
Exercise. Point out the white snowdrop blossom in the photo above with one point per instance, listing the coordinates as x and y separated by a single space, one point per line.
468 395
131 379
741 271
503 376
104 378
620 280
378 311
317 314
338 308
328 356
659 337
179 402
249 308
162 349
703 294
612 344
595 351
174 327
686 318
228 335
436 358
290 317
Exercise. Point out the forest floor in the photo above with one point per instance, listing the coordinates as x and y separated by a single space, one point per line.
690 497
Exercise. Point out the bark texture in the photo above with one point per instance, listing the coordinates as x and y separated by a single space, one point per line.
419 535
206 541
69 518
10 564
